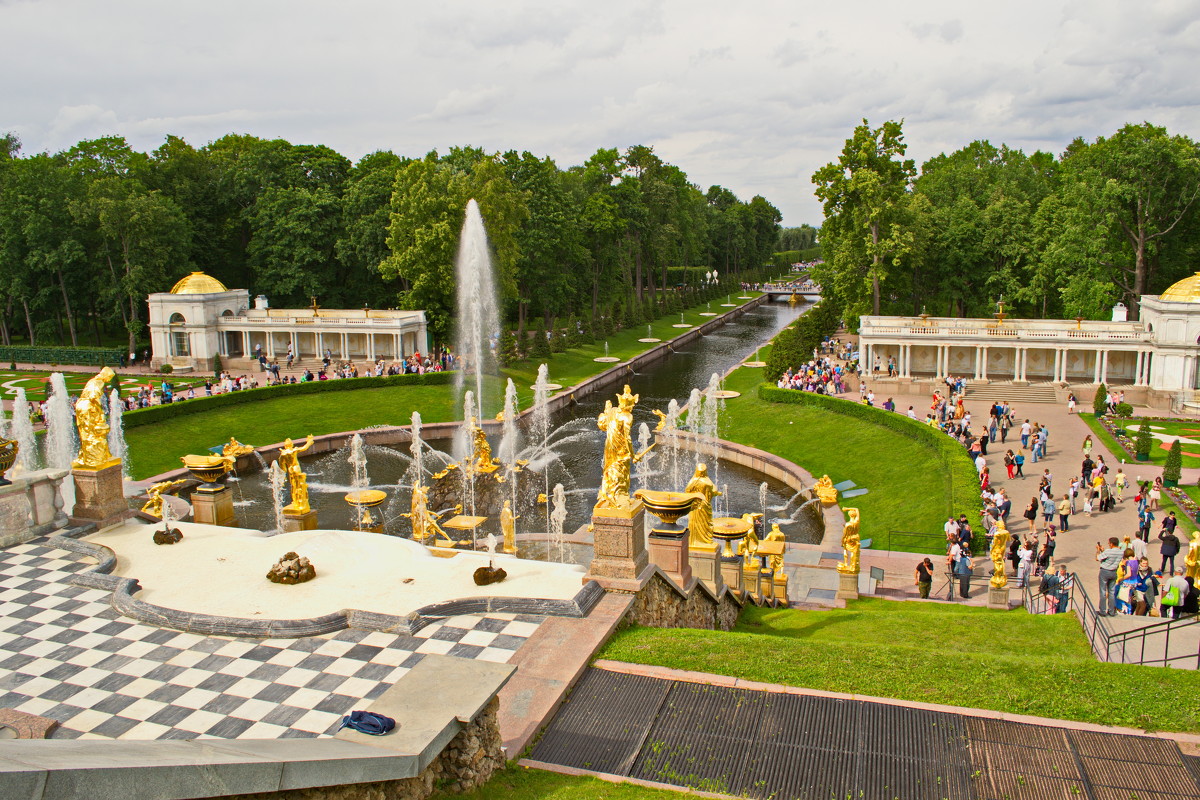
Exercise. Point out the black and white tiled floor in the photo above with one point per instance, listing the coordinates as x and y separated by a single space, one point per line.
66 654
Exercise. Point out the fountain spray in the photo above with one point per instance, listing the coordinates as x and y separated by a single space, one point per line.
116 432
22 431
508 439
478 317
557 517
541 428
360 481
279 488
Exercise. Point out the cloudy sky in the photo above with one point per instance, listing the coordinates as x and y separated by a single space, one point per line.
750 95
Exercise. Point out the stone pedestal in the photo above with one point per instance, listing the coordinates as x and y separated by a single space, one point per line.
213 508
294 521
620 542
847 586
706 565
669 552
731 572
98 495
750 575
997 598
766 586
781 589
31 506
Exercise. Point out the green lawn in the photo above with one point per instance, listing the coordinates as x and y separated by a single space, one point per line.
34 383
521 783
156 448
905 493
929 652
1158 449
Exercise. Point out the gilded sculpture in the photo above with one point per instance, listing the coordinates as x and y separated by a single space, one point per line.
92 421
235 448
289 462
1000 540
9 449
776 535
508 527
825 491
748 546
851 544
481 452
617 424
425 522
700 517
154 506
1192 559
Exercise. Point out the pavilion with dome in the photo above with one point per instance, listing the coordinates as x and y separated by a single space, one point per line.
1153 359
200 320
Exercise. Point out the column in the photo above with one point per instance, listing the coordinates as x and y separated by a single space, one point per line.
1024 363
908 360
1057 363
371 347
1104 367
1016 363
977 352
343 345
984 362
1096 369
1137 369
396 356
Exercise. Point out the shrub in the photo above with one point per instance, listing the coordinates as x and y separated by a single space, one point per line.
1142 444
148 416
507 353
1174 464
1124 410
166 369
539 348
1099 404
957 464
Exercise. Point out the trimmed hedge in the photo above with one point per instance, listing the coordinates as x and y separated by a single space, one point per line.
87 356
148 416
956 462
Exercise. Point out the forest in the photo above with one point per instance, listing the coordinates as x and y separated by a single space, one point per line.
1105 221
86 234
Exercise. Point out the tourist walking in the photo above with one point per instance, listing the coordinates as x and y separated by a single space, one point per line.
1070 402
1120 482
1031 514
1145 589
962 570
1170 544
1156 493
1087 446
1175 592
1024 563
1110 559
1064 513
1009 464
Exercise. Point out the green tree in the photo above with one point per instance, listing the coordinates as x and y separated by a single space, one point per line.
1173 466
292 249
864 193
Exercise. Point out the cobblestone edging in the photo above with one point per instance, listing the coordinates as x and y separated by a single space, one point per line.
123 600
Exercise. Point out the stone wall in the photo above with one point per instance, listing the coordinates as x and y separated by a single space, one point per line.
466 763
661 604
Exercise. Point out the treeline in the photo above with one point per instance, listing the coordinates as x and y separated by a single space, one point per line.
87 233
1055 236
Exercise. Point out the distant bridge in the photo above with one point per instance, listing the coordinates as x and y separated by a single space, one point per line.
807 292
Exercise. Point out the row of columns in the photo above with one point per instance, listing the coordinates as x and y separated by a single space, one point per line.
1021 363
321 343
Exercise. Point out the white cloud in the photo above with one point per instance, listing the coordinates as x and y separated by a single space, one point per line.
751 96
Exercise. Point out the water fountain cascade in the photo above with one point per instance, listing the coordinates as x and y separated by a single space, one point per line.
61 443
478 318
22 431
279 493
359 480
558 517
116 432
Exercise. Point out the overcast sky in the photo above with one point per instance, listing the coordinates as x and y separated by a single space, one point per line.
751 95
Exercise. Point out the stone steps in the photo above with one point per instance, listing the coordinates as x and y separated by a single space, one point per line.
1015 393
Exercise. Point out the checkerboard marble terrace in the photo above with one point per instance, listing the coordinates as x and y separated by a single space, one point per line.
66 654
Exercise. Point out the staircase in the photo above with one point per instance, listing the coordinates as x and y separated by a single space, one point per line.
1012 392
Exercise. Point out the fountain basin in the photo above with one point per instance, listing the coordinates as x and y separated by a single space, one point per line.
221 572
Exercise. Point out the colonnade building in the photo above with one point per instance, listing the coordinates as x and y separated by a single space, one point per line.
200 319
1155 357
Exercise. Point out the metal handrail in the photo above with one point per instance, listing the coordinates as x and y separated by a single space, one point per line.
1103 640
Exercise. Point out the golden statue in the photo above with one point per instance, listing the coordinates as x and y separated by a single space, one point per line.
1000 541
1192 559
508 527
92 422
662 420
700 517
748 546
154 506
236 448
825 491
481 452
425 522
849 564
617 422
289 462
776 535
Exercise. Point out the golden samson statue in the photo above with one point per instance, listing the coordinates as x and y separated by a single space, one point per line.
92 421
289 462
851 544
617 424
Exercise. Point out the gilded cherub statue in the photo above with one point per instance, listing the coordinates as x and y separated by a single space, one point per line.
154 506
1000 541
776 535
425 522
700 517
849 565
289 462
92 421
236 448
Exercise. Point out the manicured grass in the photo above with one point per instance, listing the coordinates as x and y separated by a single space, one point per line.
577 364
905 491
34 383
929 652
156 448
1189 429
522 783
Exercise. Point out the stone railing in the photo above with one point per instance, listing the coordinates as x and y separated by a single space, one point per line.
1009 330
447 735
31 506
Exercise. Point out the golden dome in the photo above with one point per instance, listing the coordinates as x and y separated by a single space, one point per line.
1184 291
198 283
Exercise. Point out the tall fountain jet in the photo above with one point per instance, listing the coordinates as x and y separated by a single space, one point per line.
478 318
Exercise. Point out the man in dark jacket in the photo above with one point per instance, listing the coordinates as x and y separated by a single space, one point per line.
1170 545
